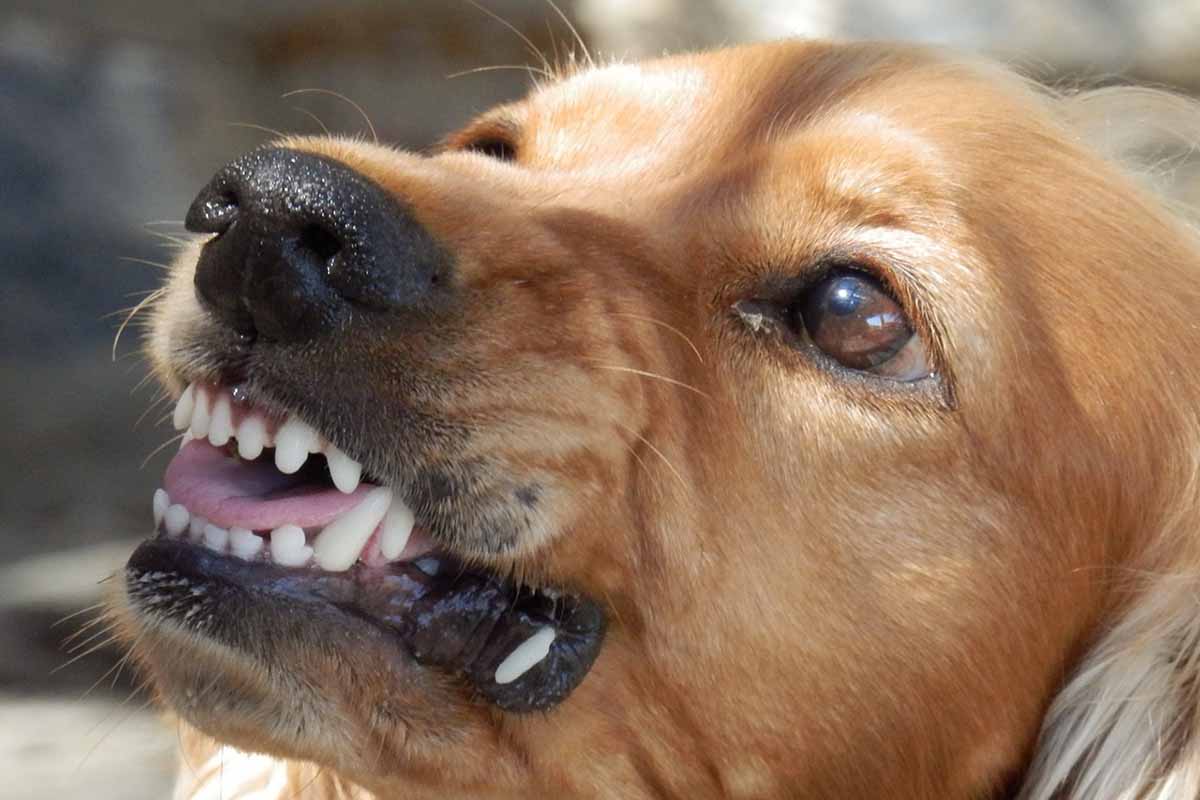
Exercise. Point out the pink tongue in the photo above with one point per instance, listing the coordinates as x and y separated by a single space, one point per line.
229 493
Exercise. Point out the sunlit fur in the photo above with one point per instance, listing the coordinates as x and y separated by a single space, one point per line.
819 587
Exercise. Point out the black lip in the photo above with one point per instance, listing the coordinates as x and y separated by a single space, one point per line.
459 620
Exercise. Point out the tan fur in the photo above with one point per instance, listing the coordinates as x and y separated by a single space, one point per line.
818 589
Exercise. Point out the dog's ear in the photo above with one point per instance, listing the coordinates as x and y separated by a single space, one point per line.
1127 724
1152 133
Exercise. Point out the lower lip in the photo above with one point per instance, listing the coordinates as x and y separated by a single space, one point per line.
456 620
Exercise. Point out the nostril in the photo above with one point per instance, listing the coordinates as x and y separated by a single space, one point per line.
213 213
320 242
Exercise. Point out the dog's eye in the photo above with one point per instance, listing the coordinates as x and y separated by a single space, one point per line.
495 147
852 318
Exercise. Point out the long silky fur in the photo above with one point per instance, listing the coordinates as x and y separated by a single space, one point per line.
1126 726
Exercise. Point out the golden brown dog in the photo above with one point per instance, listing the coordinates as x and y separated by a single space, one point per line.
795 420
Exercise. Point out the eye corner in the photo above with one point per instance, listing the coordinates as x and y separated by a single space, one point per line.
496 138
497 147
847 317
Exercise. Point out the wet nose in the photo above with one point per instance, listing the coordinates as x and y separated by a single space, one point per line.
303 242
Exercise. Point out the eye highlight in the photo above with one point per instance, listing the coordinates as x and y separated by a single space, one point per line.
854 320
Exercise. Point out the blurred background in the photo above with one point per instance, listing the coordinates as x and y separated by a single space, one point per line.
115 112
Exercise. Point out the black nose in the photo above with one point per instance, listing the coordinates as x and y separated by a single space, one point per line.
304 242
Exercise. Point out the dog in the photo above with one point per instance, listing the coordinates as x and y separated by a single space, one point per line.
795 420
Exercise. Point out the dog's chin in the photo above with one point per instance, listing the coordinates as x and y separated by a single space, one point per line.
324 639
341 695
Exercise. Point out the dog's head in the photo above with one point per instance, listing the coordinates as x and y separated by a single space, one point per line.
767 422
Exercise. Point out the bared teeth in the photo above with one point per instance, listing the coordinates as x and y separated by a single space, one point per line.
183 409
196 528
161 503
200 412
343 470
210 413
220 425
293 442
339 545
216 538
244 543
176 519
396 528
288 547
525 656
251 437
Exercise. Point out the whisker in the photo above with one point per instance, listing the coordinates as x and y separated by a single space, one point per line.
149 376
170 241
129 713
75 614
160 448
343 98
662 324
147 262
253 127
88 626
153 404
86 653
658 453
529 45
587 55
655 376
314 117
74 647
146 301
114 668
497 67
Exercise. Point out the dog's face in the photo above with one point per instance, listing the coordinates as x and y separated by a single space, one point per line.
757 411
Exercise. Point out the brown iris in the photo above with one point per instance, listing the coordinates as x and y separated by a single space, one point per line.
853 319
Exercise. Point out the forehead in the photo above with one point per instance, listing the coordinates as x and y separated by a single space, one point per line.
700 108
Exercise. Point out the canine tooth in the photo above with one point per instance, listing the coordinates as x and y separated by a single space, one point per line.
161 502
183 408
344 470
187 437
288 548
251 437
338 546
200 414
220 426
196 528
216 538
294 441
397 527
244 543
525 656
429 565
175 519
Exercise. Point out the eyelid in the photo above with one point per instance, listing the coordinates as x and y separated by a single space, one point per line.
498 128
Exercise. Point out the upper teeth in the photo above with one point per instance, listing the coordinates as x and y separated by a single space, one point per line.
207 413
